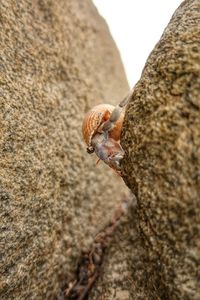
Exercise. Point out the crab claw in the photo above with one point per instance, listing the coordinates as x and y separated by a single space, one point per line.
108 150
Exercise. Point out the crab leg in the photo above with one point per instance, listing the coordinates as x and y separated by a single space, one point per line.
108 125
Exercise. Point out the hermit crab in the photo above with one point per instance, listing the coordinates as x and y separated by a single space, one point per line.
101 130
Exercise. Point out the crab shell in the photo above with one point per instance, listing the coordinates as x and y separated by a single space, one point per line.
93 120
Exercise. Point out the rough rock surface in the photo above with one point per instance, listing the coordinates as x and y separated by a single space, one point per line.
57 60
156 253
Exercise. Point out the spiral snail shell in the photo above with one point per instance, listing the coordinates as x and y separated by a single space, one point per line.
95 118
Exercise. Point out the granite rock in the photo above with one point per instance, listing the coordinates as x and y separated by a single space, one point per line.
156 252
57 60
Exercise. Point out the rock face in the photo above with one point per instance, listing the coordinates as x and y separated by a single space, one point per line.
57 61
161 138
156 252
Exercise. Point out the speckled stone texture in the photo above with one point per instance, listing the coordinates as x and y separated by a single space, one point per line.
156 252
161 139
57 60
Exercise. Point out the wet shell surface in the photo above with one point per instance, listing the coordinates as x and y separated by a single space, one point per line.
95 117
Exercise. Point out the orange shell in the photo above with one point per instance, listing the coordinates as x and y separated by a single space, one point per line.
95 118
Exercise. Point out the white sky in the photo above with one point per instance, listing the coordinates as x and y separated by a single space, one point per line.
136 27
